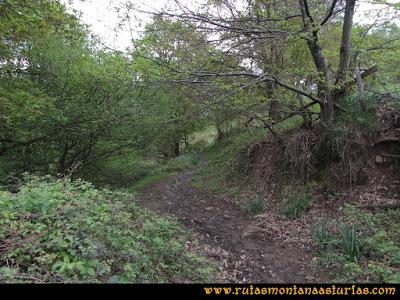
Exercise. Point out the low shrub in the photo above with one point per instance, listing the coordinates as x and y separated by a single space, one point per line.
61 231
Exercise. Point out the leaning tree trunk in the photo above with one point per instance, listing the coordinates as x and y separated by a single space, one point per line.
345 46
325 92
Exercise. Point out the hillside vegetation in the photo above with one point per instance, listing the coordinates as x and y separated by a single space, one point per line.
62 231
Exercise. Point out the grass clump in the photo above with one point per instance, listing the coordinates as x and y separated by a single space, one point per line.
61 231
322 237
294 200
256 205
349 241
346 240
296 205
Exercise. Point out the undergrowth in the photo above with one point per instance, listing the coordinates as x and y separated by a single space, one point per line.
61 231
219 173
366 248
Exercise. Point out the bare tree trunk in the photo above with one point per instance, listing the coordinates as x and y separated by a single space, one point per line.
345 47
320 62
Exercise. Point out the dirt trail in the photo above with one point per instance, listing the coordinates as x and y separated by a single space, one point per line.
227 234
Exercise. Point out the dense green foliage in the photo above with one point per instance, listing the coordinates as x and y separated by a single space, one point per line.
70 105
63 231
79 110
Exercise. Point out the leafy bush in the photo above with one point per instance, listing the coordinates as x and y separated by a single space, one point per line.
61 231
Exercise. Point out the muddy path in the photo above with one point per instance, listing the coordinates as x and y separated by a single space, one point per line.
242 252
